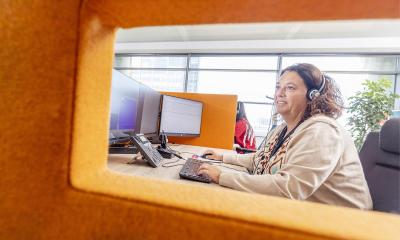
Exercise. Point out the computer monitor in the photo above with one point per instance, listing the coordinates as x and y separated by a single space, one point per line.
124 106
180 117
148 111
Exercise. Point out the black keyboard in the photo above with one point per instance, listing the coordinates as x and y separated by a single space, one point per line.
189 171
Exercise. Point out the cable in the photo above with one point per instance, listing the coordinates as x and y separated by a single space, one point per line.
172 150
171 164
190 153
178 156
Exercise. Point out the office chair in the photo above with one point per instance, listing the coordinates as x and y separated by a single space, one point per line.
380 158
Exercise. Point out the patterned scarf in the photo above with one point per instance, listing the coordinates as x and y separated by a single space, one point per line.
267 164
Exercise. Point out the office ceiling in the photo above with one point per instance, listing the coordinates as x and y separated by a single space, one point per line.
263 31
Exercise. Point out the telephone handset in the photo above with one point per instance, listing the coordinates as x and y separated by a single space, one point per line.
148 152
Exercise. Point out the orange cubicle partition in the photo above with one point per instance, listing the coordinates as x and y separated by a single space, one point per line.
55 75
217 123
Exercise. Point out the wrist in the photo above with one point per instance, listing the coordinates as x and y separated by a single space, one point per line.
218 176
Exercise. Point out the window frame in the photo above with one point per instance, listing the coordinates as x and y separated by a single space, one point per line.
278 70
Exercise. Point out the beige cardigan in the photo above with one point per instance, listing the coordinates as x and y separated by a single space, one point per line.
321 165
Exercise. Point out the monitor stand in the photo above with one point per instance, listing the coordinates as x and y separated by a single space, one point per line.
164 152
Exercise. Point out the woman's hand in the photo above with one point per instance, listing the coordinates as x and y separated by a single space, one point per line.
211 154
212 171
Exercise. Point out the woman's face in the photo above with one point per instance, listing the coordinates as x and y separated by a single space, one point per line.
290 96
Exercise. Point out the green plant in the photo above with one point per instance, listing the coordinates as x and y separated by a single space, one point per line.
369 107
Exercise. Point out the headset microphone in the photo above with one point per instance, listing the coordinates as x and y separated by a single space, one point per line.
271 98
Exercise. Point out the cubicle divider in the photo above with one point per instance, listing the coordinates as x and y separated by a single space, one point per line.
217 123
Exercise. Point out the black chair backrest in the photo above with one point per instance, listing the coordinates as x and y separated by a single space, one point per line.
380 158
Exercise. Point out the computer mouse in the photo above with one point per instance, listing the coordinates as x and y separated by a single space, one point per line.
205 155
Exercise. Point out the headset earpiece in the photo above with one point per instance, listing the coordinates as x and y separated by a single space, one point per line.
313 92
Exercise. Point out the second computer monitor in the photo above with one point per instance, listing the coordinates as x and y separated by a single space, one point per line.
149 107
134 107
180 117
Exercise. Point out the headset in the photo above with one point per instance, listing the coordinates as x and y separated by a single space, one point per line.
312 93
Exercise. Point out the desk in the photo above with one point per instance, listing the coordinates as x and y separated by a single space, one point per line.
124 164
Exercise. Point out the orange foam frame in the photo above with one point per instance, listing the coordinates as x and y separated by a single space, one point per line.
64 190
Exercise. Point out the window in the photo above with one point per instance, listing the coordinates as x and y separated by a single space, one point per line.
350 83
160 80
150 62
346 63
253 62
253 76
249 86
350 71
259 116
162 73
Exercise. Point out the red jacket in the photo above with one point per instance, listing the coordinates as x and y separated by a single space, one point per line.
244 134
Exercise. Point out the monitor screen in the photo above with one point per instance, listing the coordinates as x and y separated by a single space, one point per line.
180 117
149 109
124 105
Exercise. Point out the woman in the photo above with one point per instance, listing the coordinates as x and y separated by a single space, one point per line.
308 157
244 134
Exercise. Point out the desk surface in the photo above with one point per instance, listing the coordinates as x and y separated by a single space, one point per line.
127 164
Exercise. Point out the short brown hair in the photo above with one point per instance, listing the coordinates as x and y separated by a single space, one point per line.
329 102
